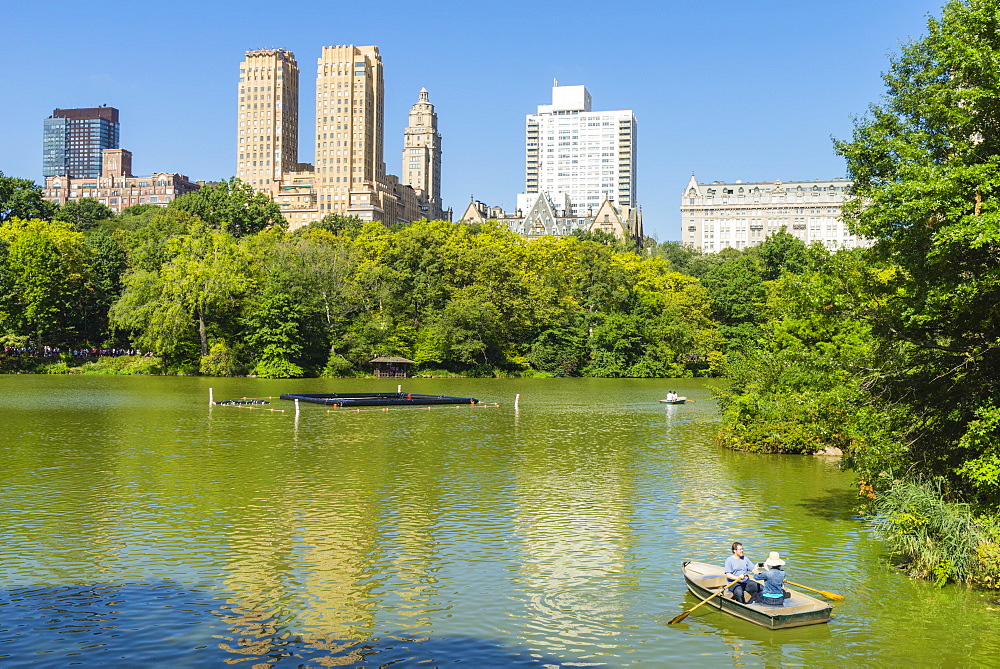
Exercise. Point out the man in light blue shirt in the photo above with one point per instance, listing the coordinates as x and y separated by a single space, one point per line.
739 568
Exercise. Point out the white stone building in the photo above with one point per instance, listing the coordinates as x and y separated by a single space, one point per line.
588 155
720 215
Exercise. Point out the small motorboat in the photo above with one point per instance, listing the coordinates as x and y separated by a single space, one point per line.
704 580
679 400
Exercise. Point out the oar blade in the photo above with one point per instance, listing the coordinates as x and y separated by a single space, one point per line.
828 595
679 617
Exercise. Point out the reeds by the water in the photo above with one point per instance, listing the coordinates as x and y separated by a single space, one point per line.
939 540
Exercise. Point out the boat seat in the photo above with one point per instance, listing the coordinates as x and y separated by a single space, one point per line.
713 581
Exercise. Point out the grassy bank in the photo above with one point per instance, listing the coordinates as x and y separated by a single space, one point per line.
119 365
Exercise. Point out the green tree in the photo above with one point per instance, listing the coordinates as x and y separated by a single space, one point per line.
46 265
559 351
196 291
84 213
108 265
147 246
338 223
686 259
21 198
782 252
926 170
736 288
800 389
233 206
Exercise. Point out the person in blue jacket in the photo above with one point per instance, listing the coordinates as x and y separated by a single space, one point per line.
773 592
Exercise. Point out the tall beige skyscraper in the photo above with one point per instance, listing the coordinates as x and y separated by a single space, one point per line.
422 156
349 176
349 131
268 141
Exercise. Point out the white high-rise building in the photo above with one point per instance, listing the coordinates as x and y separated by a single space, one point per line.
590 156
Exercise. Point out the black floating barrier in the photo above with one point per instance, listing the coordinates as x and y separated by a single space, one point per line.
377 399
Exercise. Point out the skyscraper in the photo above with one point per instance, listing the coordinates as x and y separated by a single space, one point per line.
349 130
73 141
590 156
349 176
268 141
422 156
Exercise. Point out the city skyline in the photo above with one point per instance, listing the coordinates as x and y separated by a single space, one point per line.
721 91
348 176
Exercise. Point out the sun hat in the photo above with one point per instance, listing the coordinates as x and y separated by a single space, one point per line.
773 560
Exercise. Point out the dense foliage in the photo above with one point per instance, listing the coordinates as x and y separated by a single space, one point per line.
892 353
215 296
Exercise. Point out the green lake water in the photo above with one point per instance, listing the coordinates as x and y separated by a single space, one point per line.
141 527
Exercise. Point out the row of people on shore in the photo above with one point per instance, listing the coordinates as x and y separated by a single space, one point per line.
770 591
55 351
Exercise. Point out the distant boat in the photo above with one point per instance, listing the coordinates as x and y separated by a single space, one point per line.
679 400
704 580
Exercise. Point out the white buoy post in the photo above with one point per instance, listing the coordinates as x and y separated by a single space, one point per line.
210 400
399 388
517 400
296 407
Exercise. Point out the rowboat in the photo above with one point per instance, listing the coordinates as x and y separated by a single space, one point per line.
704 580
679 400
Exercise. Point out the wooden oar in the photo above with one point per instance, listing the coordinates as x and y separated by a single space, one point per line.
685 614
828 595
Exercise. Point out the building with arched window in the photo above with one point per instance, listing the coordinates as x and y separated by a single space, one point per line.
738 214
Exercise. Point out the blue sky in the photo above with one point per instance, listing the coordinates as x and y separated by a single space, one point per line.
729 90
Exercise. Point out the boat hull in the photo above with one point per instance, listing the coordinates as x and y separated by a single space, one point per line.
704 580
682 401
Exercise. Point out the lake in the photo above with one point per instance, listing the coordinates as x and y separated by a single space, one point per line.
141 526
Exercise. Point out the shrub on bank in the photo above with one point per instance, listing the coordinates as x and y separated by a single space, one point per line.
936 539
786 420
122 365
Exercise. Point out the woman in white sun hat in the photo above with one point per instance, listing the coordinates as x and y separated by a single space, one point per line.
773 592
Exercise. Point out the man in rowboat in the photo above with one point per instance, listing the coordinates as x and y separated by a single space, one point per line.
739 568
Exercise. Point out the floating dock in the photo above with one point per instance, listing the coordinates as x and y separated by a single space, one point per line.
377 399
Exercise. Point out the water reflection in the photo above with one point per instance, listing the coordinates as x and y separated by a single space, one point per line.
141 524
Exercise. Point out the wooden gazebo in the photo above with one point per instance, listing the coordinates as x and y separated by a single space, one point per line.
391 367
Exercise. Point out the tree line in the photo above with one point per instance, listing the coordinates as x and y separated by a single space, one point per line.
892 353
889 354
215 284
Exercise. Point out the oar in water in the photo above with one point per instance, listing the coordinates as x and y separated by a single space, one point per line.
685 614
828 595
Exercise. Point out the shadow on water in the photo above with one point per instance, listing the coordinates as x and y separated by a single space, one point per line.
748 644
166 624
833 504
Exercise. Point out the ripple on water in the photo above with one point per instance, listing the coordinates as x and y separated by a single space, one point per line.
140 525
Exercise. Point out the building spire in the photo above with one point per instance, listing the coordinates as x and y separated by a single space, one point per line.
423 95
